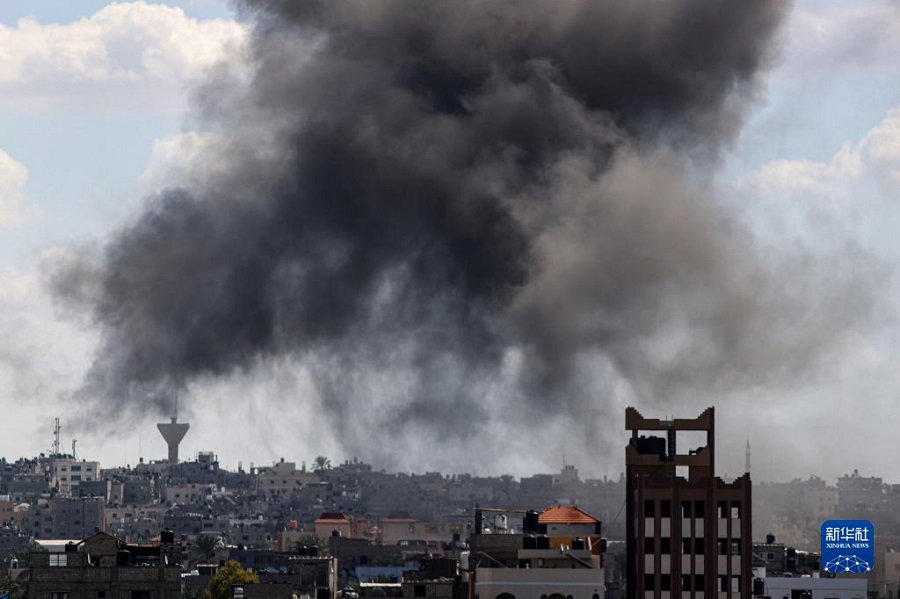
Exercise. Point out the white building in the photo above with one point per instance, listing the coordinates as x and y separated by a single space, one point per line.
66 474
778 587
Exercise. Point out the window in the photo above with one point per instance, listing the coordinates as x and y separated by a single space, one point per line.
723 511
685 509
699 509
665 508
686 582
101 594
665 546
665 582
649 582
698 546
58 559
699 582
735 510
722 546
723 584
76 468
649 508
59 595
735 548
649 546
685 546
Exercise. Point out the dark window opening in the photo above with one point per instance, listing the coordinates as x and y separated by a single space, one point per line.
723 509
699 546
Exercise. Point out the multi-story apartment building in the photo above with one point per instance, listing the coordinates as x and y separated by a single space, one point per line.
102 566
555 554
688 532
282 478
67 473
64 518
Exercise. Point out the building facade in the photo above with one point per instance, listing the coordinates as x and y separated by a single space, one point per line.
104 567
67 474
688 532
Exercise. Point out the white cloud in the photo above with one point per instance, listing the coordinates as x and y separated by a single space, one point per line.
881 148
874 158
119 56
826 37
15 208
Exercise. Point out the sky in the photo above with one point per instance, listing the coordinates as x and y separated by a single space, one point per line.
106 106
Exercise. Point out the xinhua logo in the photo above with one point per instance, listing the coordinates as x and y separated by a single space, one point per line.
848 546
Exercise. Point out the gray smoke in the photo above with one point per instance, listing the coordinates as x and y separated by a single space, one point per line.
470 210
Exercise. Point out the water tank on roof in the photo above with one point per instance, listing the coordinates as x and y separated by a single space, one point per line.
577 544
167 536
529 542
543 542
650 445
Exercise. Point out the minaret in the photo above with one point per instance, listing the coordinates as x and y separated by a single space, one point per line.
173 432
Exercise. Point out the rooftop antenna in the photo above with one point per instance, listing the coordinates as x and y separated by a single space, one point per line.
56 428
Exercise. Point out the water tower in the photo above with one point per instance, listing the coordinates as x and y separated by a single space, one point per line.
173 432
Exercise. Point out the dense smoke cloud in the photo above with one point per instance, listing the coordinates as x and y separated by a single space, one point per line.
455 213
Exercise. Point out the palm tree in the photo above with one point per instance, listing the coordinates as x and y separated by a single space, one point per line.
204 549
322 463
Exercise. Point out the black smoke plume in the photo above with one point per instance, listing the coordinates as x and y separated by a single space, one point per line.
460 214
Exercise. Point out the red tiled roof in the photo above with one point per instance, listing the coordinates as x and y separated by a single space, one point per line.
566 514
332 517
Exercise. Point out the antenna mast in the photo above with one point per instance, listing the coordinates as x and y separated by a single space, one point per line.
56 428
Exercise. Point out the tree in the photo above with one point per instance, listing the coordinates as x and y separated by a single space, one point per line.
322 463
310 540
204 549
14 589
230 574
